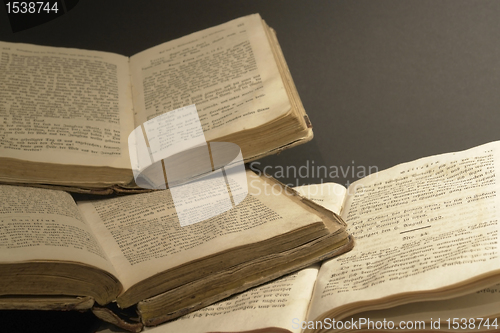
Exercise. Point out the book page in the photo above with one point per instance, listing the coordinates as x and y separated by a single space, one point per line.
329 195
64 106
143 237
475 308
228 72
418 226
40 224
281 303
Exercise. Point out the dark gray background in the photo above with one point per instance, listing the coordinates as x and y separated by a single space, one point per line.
384 82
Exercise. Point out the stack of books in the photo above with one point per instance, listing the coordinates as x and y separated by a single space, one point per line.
240 251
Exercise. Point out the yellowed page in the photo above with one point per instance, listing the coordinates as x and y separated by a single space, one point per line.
423 225
279 303
469 313
64 106
227 71
40 224
142 236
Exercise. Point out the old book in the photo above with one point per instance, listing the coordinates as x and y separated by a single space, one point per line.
130 252
426 258
66 113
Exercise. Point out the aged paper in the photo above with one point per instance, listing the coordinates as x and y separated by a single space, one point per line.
227 71
466 312
275 304
40 224
64 106
142 235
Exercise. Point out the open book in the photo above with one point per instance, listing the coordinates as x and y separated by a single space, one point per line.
426 257
67 113
131 249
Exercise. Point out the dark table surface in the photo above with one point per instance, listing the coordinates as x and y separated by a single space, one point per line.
384 82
